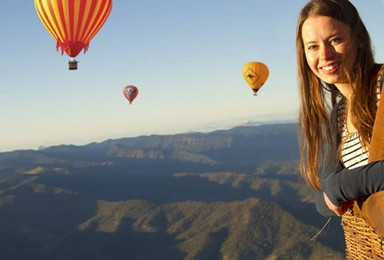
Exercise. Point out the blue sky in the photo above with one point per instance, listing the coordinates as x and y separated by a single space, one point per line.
186 58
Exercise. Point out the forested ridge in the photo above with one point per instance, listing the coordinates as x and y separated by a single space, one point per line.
229 194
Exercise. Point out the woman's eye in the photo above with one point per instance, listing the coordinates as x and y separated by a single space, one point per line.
336 40
312 47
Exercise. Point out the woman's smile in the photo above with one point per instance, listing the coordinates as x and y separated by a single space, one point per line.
330 69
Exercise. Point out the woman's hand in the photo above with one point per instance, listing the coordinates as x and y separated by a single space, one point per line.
339 210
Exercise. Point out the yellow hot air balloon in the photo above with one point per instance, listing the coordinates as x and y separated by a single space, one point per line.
255 74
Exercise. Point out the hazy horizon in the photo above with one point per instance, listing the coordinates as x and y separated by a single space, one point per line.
199 129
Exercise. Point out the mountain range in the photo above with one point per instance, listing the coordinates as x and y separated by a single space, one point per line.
228 194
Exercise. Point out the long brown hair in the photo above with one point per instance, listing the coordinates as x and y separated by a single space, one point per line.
317 98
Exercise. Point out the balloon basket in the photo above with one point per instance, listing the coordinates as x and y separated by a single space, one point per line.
72 65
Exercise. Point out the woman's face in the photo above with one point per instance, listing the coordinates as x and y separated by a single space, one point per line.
327 46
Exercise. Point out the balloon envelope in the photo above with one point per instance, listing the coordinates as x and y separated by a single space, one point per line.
130 93
255 74
73 23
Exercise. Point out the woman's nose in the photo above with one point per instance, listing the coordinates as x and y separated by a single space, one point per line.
326 52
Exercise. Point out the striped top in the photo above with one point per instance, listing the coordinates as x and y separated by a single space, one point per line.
353 154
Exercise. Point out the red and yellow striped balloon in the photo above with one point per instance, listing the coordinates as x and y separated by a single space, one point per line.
73 23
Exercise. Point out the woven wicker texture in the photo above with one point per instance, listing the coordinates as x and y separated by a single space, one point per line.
361 240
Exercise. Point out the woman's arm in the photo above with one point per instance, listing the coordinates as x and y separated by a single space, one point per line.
345 185
331 168
321 204
332 165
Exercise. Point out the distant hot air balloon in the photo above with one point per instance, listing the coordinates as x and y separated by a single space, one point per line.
73 23
130 93
255 74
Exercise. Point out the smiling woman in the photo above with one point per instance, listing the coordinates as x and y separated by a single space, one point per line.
337 68
329 50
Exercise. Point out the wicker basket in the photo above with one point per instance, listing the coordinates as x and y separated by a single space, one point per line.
361 240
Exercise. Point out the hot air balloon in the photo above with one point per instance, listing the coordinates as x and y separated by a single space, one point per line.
130 93
73 23
255 74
